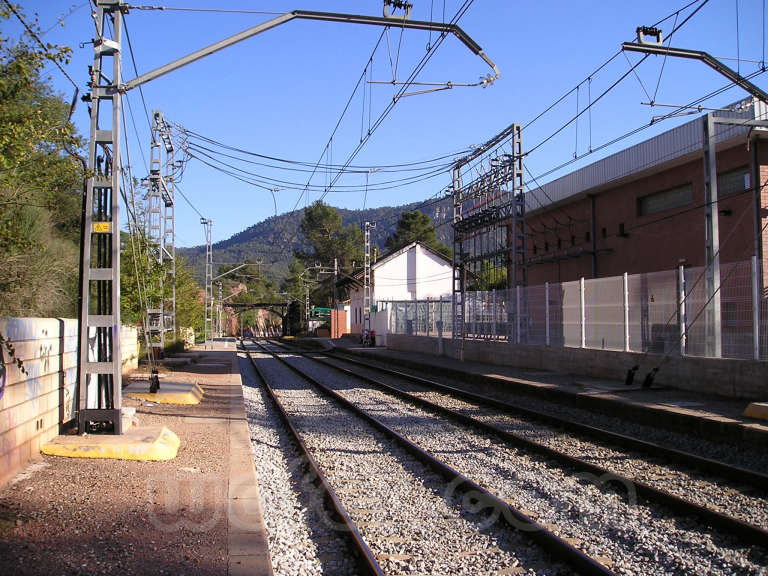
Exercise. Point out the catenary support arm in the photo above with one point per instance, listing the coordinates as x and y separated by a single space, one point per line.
308 15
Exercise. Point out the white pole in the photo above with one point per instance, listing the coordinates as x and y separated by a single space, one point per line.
583 313
625 289
546 314
681 311
755 309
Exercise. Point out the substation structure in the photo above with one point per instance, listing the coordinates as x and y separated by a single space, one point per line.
489 232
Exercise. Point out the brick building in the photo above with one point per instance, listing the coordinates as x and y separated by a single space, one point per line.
643 209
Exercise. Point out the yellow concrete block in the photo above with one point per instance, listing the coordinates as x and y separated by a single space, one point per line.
169 393
757 410
147 443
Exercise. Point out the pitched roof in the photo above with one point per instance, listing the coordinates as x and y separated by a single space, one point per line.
356 277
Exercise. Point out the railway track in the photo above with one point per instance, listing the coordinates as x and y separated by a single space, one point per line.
707 465
296 504
662 510
723 459
414 514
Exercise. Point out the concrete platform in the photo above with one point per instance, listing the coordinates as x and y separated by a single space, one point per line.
757 410
199 513
173 392
143 443
715 417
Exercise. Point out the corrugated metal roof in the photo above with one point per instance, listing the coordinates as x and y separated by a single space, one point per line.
665 147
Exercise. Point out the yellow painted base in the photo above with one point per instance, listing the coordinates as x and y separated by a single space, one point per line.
757 410
169 393
147 443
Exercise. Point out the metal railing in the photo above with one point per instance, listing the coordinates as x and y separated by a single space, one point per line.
660 312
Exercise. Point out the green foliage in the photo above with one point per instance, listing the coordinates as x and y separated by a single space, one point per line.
490 277
416 226
275 239
190 298
328 240
40 185
141 278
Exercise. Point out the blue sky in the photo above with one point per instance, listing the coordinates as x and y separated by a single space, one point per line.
280 94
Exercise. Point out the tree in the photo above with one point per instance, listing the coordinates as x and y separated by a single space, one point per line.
329 240
190 308
416 227
40 184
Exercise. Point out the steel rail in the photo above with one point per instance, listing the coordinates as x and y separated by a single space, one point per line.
557 546
367 560
724 522
708 465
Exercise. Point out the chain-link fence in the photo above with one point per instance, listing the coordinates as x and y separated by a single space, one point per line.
666 312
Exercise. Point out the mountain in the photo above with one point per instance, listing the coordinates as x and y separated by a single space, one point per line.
273 240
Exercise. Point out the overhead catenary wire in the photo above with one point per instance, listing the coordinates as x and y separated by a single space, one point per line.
42 45
593 102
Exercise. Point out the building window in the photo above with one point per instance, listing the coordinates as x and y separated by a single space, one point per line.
573 240
733 181
587 236
534 249
666 200
604 233
559 243
546 246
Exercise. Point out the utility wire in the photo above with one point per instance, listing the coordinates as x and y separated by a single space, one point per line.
34 35
136 72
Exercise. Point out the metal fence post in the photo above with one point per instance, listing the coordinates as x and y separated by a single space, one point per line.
493 311
583 313
755 308
546 314
625 290
681 308
517 314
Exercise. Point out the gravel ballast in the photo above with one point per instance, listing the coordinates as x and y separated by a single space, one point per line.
638 539
412 520
746 503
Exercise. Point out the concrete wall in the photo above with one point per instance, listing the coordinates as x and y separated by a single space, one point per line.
33 404
733 378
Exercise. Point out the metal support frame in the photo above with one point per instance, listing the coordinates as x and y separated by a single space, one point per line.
712 242
99 357
713 318
219 331
489 242
208 324
160 232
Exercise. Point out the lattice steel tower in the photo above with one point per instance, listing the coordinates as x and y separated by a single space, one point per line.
160 227
489 227
99 359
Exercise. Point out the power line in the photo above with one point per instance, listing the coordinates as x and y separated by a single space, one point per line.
177 189
45 48
206 10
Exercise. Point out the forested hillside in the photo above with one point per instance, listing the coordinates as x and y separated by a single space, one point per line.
274 240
